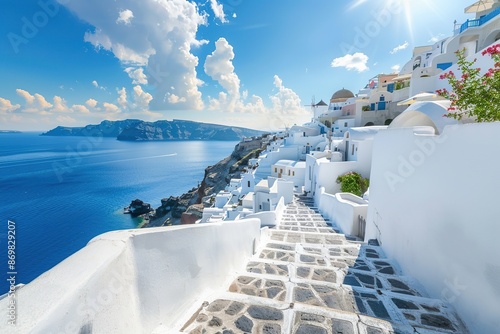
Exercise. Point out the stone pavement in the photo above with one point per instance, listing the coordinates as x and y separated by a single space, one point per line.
309 279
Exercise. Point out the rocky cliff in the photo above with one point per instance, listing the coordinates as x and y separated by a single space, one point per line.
137 130
188 208
103 129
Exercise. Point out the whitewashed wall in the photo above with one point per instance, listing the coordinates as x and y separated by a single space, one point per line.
270 218
327 173
284 153
134 281
343 210
434 206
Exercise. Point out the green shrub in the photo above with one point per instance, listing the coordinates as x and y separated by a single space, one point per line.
353 183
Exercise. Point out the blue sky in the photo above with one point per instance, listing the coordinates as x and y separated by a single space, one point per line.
251 63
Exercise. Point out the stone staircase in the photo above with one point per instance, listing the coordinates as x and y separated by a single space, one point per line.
308 278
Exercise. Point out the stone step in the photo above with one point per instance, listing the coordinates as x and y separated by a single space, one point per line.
309 278
242 314
396 308
232 315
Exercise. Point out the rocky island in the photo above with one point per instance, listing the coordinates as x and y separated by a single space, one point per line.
188 208
137 130
137 208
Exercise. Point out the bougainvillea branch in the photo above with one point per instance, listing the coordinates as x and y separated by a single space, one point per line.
473 94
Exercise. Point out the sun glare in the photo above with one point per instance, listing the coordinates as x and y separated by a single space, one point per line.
411 10
356 3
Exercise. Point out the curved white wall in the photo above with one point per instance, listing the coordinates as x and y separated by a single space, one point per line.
343 210
134 281
434 208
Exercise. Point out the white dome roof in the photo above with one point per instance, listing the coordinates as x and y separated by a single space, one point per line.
425 113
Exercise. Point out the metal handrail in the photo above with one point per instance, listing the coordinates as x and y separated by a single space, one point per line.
480 21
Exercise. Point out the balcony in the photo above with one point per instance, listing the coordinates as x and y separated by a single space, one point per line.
480 21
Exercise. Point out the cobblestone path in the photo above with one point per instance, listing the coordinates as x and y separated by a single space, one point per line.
309 279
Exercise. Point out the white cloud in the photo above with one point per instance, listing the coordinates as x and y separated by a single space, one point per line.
285 100
91 103
137 75
219 66
34 103
80 108
7 106
285 104
436 38
234 15
396 68
110 108
125 54
174 99
122 97
141 99
163 36
125 16
60 105
356 61
399 48
96 85
218 10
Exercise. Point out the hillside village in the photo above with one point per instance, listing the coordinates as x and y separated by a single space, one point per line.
283 250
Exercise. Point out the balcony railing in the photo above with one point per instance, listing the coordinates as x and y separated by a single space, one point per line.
480 21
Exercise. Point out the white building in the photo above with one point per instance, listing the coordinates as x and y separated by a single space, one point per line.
290 170
421 73
268 192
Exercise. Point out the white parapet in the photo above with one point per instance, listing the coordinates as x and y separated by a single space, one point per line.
344 210
134 281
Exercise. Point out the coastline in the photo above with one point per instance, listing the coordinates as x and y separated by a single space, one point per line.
188 207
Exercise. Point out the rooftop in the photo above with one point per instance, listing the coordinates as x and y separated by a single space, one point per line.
341 95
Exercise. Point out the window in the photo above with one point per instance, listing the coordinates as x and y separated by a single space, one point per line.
310 173
281 170
275 169
293 173
288 172
352 149
345 124
248 184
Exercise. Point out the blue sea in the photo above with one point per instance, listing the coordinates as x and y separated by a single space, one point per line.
62 191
